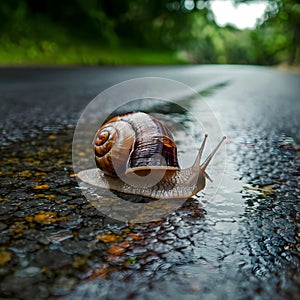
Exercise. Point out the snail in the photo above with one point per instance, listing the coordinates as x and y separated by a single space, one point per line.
135 153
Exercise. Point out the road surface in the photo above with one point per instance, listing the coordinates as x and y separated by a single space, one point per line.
244 243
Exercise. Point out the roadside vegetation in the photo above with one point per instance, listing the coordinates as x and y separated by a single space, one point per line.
97 32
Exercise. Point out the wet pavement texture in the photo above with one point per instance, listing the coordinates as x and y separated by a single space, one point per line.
242 244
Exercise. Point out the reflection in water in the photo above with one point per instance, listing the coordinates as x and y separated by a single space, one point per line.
214 88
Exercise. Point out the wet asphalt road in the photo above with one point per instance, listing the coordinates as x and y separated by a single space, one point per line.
44 98
243 244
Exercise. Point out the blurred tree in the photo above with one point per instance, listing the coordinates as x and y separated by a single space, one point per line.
156 23
287 19
280 33
185 26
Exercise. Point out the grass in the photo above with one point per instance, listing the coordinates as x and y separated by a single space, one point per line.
50 53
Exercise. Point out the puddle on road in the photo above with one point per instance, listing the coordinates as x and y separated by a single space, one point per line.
236 244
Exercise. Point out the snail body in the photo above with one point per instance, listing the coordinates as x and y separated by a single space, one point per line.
135 153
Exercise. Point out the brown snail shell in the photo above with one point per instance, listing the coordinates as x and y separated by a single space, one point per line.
132 140
129 147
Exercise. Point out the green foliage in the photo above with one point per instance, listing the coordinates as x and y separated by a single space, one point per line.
141 32
286 24
278 38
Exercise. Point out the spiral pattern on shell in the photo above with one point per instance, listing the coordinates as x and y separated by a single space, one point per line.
134 142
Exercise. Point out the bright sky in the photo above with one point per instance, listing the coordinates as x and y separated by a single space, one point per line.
241 15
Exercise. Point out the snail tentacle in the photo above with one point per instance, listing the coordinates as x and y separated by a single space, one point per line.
212 154
200 152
